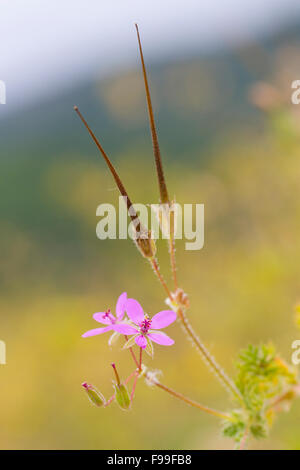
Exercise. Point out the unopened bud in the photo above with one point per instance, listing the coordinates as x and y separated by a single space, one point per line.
122 396
121 392
93 394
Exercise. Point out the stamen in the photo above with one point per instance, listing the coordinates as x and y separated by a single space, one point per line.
107 314
145 325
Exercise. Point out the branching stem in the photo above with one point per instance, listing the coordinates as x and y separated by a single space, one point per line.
206 355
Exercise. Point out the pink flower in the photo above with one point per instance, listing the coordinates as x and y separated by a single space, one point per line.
146 327
107 318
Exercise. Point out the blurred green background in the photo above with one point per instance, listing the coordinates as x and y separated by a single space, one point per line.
229 139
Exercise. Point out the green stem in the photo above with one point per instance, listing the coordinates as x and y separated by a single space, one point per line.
132 353
155 266
187 400
205 354
137 375
173 257
209 359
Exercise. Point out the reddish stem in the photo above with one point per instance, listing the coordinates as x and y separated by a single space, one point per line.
132 352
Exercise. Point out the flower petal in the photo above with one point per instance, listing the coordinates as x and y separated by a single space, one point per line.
124 329
141 341
161 338
163 319
120 307
101 317
97 331
134 311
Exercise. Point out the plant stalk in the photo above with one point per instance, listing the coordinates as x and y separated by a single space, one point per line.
193 403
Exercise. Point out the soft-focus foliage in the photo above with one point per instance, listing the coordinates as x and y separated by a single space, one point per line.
264 381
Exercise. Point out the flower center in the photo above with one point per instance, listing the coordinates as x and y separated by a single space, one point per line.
145 325
109 316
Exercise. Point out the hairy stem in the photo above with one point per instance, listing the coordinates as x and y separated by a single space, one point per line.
205 354
243 444
209 359
134 386
156 269
132 353
137 375
187 400
173 259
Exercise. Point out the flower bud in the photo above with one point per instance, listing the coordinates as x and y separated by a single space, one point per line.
122 396
93 394
121 392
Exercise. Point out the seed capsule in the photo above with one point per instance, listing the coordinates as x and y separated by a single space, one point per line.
121 392
122 396
93 394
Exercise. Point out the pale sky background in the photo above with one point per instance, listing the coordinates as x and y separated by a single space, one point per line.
46 45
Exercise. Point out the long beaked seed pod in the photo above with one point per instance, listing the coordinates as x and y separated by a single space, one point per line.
143 239
164 197
164 220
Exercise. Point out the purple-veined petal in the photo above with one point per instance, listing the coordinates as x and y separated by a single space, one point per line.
163 319
134 311
141 341
124 329
97 331
101 317
120 307
161 338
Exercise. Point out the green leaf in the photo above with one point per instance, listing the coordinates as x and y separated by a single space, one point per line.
258 431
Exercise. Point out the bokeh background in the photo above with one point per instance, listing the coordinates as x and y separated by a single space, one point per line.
221 83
